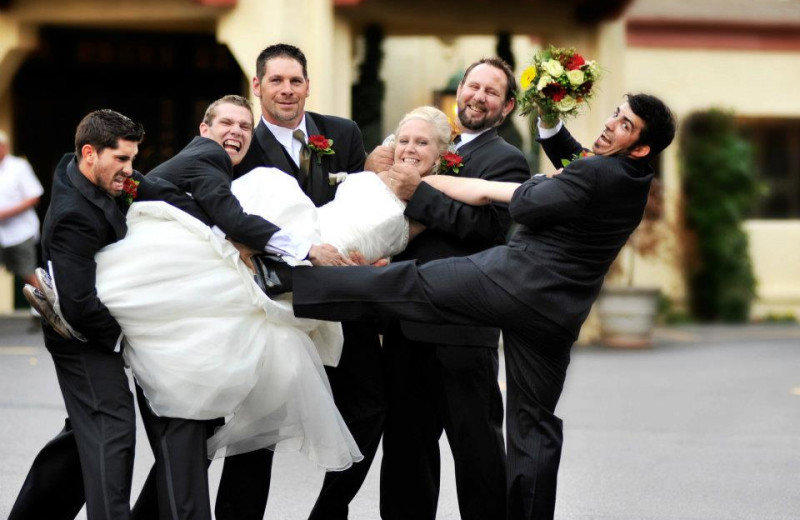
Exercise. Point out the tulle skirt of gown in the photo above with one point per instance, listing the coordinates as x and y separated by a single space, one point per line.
204 342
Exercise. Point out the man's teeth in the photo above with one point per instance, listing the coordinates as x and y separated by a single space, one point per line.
409 160
232 144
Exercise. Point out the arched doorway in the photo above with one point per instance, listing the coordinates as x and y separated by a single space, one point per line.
163 80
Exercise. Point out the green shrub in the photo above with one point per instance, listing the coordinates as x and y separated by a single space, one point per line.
720 187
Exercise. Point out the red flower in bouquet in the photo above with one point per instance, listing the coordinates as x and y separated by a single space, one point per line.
555 92
130 188
450 162
575 62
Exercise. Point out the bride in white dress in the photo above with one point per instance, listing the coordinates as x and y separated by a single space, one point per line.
203 341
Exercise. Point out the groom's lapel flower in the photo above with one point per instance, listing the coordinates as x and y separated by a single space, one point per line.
321 145
450 162
575 157
130 188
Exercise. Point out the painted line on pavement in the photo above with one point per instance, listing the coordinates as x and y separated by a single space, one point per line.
18 351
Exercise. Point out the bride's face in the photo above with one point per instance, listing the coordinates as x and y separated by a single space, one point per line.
416 145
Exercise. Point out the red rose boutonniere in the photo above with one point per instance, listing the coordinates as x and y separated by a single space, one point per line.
450 162
575 157
130 188
321 145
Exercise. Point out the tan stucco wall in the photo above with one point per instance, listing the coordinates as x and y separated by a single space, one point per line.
774 251
254 24
751 83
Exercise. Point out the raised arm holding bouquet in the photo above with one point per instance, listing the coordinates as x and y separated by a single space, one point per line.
557 84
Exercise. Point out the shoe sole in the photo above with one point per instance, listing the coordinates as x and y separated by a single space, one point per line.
45 310
46 285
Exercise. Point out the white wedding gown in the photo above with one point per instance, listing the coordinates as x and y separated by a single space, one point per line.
204 342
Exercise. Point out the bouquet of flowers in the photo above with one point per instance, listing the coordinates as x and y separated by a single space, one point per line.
558 82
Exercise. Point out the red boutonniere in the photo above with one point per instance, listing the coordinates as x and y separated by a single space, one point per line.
575 157
321 145
130 188
450 162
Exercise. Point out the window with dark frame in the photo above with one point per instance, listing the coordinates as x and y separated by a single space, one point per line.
776 157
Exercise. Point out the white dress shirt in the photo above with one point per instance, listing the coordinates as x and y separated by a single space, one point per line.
467 137
287 140
283 243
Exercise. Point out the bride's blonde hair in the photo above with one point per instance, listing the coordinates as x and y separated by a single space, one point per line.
438 121
431 115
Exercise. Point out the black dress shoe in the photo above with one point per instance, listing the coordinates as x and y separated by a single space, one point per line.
273 275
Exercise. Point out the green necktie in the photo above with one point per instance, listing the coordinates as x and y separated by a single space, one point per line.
305 155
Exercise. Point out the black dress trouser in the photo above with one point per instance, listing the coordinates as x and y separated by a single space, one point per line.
358 391
435 388
177 486
454 290
91 459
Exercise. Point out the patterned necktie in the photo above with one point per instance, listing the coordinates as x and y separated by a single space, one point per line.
305 154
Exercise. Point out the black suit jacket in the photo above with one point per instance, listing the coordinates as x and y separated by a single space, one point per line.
348 147
457 229
81 220
572 227
204 170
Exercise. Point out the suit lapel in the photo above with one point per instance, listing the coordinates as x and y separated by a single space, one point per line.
479 142
466 151
317 183
99 198
272 150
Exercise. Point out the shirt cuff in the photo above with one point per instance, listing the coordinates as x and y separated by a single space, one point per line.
547 133
284 244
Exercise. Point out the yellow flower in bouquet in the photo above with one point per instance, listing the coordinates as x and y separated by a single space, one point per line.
565 83
528 75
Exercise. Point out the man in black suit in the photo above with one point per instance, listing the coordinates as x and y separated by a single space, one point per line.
282 85
434 383
178 484
538 289
98 440
54 487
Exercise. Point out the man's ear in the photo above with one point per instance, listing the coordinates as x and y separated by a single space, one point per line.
88 153
640 151
256 87
509 106
204 129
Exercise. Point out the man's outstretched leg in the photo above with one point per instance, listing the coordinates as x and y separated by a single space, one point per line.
54 485
396 291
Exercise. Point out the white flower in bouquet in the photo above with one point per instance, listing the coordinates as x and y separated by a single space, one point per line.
543 82
553 67
566 104
576 77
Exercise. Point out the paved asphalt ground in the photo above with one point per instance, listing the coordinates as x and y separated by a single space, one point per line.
704 426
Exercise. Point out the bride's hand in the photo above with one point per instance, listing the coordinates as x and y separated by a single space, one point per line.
326 254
